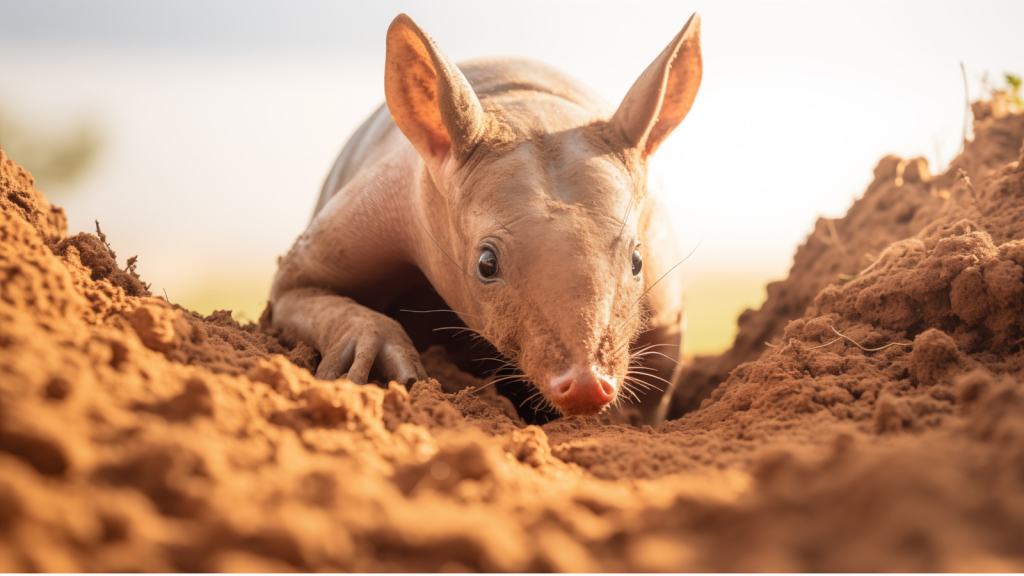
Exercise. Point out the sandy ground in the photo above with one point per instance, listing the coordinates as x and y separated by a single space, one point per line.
882 429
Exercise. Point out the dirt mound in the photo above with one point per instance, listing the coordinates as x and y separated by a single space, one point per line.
901 202
883 431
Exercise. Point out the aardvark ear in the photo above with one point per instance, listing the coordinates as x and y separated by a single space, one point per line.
662 96
428 97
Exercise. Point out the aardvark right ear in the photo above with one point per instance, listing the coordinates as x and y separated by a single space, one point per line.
428 97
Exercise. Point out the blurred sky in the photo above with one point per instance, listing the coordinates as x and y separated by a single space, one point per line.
221 119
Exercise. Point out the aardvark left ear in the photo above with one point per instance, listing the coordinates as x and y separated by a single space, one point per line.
664 93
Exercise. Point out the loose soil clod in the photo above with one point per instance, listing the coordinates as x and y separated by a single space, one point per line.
135 435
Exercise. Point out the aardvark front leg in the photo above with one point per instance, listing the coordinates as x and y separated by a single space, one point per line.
350 337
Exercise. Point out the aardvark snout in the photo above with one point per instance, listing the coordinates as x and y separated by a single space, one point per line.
582 391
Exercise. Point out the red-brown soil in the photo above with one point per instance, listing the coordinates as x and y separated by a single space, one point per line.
135 435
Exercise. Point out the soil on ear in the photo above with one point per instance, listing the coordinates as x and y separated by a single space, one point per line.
881 430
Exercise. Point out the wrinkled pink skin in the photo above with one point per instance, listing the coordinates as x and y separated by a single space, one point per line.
514 157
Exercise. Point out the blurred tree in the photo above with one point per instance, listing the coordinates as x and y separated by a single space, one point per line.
56 160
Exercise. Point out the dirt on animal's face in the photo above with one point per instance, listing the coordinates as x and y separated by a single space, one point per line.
548 231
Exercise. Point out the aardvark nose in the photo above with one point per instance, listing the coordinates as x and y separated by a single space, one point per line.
582 391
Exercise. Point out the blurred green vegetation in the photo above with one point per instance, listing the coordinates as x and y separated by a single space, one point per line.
715 300
1013 82
57 160
244 294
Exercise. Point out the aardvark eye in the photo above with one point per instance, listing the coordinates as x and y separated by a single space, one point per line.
487 265
638 262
